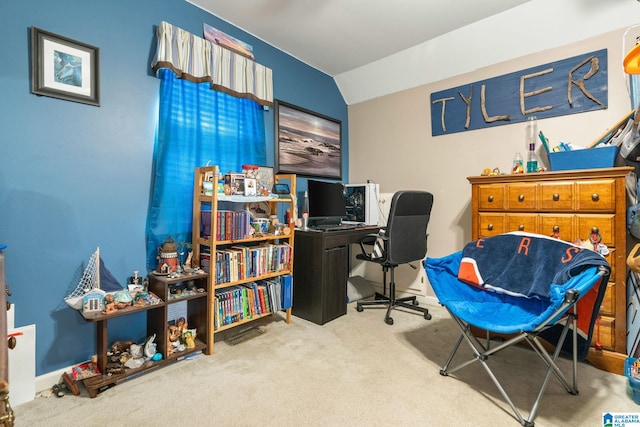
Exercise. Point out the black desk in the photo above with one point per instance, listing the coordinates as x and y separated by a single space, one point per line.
320 272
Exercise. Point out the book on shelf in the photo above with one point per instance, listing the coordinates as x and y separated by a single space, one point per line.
240 302
232 225
239 263
287 291
261 290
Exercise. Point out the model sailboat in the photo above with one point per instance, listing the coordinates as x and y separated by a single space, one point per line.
96 277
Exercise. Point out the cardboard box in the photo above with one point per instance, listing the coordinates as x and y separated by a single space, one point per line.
589 158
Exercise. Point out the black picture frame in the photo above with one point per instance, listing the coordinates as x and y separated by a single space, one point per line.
64 68
307 143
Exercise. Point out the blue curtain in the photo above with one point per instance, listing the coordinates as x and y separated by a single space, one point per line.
196 126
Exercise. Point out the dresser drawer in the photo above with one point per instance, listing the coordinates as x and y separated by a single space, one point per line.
605 223
491 224
563 222
596 195
603 332
556 196
522 222
521 197
608 306
491 197
610 257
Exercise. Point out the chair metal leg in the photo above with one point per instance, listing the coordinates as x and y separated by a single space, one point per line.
481 354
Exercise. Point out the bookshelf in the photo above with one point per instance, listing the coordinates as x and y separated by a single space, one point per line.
250 272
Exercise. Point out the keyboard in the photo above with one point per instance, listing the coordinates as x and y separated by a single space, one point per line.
336 227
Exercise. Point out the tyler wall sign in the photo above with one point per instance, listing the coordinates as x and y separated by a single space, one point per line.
569 86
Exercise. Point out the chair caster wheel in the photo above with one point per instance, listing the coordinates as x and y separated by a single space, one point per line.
359 308
416 302
427 316
388 320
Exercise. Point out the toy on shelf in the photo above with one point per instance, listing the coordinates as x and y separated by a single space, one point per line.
97 279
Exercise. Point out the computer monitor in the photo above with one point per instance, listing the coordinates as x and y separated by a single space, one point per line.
326 202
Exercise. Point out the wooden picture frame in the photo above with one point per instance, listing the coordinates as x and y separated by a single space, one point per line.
64 68
307 143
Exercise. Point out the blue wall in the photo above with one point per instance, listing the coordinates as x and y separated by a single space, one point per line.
74 176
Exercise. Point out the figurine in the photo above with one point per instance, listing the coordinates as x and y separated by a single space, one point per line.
182 324
109 304
188 339
119 347
173 340
141 299
167 256
595 238
492 172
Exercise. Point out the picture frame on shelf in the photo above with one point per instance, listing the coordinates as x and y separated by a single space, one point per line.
64 68
307 143
250 187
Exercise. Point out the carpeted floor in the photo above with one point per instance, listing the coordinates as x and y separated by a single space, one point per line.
353 371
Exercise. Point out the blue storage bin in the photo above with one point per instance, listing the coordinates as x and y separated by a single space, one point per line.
589 158
633 382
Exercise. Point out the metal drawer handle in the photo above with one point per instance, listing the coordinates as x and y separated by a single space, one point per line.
595 197
556 197
521 198
490 198
521 227
490 227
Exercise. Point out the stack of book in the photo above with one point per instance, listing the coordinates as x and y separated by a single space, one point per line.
230 225
243 262
246 301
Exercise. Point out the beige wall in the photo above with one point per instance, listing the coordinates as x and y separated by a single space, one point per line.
390 143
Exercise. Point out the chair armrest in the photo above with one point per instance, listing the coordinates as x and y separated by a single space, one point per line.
368 239
370 247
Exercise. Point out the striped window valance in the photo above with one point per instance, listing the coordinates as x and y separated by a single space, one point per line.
198 60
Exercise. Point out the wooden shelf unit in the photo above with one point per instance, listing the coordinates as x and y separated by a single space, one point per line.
195 311
199 306
157 316
99 383
199 243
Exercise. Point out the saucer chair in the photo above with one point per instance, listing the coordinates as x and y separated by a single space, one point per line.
556 305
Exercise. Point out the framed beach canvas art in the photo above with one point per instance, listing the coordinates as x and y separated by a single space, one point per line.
307 143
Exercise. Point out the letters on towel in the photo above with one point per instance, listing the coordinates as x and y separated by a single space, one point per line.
523 264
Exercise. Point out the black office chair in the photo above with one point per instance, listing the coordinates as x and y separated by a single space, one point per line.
402 241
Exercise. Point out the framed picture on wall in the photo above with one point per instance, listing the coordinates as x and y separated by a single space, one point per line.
307 143
64 68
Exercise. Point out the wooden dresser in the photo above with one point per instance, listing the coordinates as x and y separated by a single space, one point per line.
568 203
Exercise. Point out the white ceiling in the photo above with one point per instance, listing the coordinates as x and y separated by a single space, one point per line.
336 36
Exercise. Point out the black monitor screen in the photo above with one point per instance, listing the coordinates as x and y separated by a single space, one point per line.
326 201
